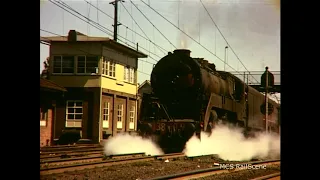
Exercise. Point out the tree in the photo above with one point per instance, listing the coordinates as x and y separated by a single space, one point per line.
45 71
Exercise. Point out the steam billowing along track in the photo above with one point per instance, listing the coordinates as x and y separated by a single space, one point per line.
189 96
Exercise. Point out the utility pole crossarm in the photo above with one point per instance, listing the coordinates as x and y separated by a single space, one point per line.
115 24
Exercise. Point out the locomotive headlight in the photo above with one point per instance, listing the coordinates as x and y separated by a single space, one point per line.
184 81
190 79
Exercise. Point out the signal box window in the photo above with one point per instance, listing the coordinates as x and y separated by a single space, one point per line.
120 116
74 113
63 64
108 67
43 116
129 75
105 117
87 64
131 114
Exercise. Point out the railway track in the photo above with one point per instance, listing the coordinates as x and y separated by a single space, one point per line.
71 150
68 148
55 162
55 153
274 176
213 171
112 160
70 155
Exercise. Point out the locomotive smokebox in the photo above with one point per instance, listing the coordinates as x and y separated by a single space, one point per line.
182 51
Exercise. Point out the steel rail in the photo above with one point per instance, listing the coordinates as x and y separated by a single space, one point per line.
211 171
269 176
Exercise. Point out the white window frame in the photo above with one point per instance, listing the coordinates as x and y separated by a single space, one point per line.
129 75
61 67
132 116
119 116
106 65
85 65
106 115
43 121
74 122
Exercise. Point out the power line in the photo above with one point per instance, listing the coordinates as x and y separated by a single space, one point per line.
225 38
89 20
253 2
146 38
190 36
153 24
88 53
66 5
139 26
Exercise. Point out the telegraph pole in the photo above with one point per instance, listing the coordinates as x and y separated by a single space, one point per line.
267 83
225 57
115 24
266 99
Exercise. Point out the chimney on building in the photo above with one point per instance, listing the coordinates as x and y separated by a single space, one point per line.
72 36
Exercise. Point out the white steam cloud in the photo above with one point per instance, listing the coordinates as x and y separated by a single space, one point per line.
125 144
230 144
192 24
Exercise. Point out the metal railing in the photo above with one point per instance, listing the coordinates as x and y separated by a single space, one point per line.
252 77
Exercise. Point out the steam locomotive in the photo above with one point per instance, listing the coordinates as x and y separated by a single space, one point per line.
189 96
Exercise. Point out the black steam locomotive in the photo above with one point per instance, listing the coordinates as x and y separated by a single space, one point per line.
189 96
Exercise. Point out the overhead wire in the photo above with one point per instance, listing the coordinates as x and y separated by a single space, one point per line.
96 24
190 37
160 48
146 38
80 17
89 20
152 24
225 38
184 32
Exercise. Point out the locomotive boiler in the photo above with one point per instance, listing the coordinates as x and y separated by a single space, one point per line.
189 96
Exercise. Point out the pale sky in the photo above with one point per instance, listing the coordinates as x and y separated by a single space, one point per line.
251 27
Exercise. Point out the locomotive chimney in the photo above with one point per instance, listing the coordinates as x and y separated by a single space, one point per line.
182 51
